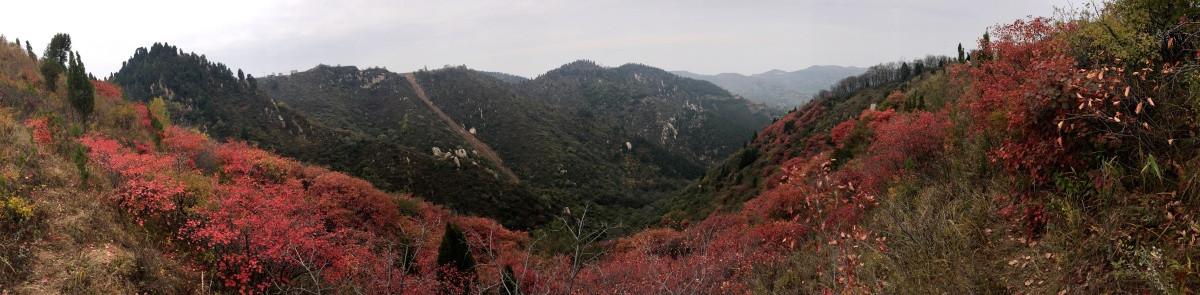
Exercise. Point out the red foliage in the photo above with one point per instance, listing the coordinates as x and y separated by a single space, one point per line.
896 98
1044 110
781 143
903 142
41 130
107 90
272 221
1019 94
269 231
874 118
143 114
185 141
841 132
148 190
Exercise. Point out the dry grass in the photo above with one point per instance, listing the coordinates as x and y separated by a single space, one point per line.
77 242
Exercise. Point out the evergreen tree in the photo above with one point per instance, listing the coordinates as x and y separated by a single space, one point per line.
241 76
962 55
456 253
251 81
985 51
905 71
52 60
29 48
80 91
454 250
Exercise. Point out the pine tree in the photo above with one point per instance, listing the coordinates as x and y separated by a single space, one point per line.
250 80
29 48
962 55
52 60
454 250
456 253
80 91
985 51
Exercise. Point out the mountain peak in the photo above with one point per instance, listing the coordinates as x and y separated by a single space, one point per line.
775 72
581 64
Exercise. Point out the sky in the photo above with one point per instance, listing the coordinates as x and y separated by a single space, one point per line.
526 38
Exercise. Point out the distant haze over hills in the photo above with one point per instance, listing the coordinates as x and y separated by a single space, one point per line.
778 87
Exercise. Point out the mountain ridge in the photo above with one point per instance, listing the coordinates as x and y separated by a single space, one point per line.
778 87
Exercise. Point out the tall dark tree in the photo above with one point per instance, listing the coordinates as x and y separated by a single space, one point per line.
29 48
962 55
250 80
455 253
454 250
53 59
241 76
80 91
905 71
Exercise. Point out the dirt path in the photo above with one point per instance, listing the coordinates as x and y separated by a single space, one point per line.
479 146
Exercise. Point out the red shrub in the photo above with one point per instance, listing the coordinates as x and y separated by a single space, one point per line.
148 188
185 141
901 143
1043 110
107 90
896 98
41 130
841 132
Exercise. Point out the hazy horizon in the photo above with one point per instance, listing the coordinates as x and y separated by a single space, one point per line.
525 38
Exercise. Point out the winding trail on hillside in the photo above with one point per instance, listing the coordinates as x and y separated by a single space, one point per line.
475 143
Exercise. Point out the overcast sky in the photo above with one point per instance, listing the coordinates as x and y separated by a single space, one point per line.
526 38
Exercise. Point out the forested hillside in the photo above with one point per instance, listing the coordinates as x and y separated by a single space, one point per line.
373 101
644 134
207 96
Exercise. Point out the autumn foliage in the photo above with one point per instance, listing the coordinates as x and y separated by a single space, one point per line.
107 90
271 223
1056 138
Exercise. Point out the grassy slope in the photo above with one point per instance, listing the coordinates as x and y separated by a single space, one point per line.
70 241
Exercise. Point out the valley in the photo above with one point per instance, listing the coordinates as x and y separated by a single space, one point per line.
1049 156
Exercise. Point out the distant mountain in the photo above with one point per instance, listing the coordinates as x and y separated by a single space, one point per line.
620 138
693 117
209 97
777 87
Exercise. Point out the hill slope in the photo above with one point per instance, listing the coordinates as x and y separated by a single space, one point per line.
207 96
619 158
